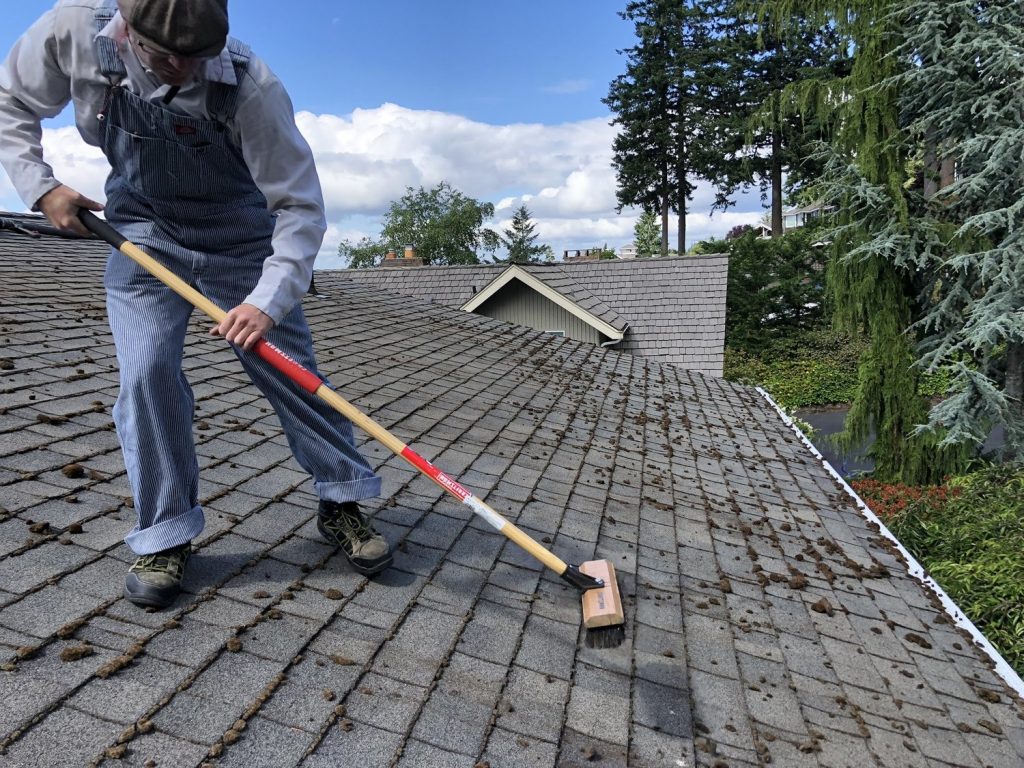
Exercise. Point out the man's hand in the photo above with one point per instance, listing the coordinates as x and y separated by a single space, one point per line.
243 326
60 205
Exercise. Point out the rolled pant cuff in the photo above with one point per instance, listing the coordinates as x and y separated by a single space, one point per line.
167 533
352 490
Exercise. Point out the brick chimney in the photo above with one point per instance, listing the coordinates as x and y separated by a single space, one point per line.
582 254
407 259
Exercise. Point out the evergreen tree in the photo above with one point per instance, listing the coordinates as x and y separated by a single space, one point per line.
759 137
659 104
961 96
520 239
774 286
646 236
875 292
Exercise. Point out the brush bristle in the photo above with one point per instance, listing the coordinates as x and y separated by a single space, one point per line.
611 636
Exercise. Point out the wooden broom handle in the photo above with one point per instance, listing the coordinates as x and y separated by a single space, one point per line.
315 385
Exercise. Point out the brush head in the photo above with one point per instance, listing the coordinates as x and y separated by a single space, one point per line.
602 608
605 637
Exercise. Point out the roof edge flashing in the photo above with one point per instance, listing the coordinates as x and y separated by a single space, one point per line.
914 568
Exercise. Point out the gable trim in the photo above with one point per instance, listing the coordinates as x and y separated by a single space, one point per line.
515 272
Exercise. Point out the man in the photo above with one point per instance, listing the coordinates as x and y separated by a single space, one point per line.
210 175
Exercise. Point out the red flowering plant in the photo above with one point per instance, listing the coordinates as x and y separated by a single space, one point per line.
891 501
969 535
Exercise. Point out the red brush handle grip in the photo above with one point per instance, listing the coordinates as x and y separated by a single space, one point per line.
302 376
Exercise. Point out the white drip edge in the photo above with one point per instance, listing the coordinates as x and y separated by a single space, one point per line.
916 570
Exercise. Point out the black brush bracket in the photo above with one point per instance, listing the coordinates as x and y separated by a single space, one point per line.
580 580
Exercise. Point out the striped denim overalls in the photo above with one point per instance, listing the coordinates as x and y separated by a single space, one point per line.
181 190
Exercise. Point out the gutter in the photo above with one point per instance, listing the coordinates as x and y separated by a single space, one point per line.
914 568
613 342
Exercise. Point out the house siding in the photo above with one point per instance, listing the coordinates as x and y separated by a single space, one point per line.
520 304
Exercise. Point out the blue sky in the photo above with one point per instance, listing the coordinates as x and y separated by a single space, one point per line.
501 100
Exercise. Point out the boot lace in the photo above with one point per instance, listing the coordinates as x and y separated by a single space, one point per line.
170 561
346 523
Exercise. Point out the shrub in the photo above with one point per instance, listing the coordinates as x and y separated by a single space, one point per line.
774 286
969 535
738 231
800 369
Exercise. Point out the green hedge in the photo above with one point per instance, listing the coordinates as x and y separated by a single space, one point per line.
807 368
970 537
802 369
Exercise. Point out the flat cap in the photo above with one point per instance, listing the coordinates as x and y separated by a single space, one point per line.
193 28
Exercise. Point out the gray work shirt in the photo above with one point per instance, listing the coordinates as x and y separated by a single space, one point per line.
55 62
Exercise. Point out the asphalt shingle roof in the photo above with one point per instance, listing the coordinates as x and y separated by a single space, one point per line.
674 307
766 619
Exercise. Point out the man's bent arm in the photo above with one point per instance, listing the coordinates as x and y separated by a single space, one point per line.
281 164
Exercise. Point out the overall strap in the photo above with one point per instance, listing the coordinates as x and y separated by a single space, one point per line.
106 48
222 98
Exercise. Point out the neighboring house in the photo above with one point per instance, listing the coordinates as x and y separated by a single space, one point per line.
793 218
800 216
769 619
670 310
628 251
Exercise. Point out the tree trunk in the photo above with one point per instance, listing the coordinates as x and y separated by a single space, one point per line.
1015 394
776 180
931 165
682 137
947 171
681 247
664 226
681 235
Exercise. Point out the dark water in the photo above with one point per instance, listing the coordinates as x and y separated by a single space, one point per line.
827 422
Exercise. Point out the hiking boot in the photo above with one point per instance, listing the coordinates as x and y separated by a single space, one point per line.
343 524
155 580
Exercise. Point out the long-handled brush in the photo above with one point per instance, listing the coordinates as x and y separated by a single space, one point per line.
602 605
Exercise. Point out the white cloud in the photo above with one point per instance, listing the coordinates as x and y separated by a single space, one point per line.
563 173
74 162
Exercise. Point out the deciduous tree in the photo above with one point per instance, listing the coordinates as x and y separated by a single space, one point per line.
442 224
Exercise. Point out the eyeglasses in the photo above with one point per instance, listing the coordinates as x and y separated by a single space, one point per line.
160 54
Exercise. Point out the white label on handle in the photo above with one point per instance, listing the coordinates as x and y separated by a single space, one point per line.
492 517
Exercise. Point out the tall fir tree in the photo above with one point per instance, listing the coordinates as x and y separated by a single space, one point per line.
646 236
520 239
761 141
659 104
